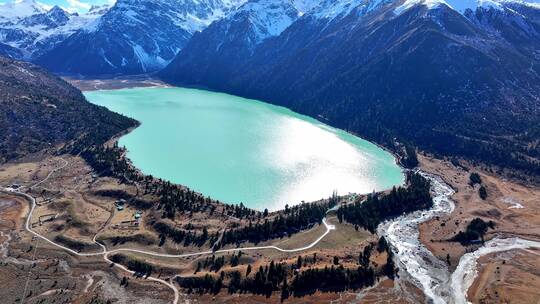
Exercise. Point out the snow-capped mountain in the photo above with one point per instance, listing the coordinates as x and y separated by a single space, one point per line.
141 36
33 30
263 18
135 36
232 39
228 43
14 11
448 78
54 18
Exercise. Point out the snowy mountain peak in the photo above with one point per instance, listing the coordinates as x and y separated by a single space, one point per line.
58 14
56 11
19 9
267 17
54 18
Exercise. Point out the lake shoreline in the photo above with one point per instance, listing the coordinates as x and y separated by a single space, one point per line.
147 81
372 160
89 84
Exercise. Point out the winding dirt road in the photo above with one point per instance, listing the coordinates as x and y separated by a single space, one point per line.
105 252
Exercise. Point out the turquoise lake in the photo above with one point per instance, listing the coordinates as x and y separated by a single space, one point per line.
240 150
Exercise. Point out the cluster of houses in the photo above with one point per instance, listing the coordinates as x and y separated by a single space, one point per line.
121 205
44 219
47 218
132 224
44 201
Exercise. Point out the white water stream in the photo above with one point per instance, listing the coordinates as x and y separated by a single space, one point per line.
418 265
466 271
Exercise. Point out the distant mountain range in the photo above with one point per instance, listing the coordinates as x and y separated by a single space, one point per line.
134 36
34 30
454 77
131 37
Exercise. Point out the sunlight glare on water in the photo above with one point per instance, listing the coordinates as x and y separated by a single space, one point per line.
239 150
314 158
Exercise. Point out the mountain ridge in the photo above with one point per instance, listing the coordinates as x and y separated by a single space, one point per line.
134 37
452 83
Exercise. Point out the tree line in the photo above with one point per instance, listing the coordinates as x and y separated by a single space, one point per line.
331 279
293 220
180 236
475 231
141 268
377 208
274 277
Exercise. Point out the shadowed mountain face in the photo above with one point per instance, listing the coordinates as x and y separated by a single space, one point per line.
40 111
452 83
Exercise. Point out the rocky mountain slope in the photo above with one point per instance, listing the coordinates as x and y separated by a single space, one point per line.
134 37
9 51
40 111
453 80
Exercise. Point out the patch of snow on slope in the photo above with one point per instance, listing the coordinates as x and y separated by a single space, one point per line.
102 53
91 26
195 15
75 23
330 9
147 61
304 6
273 19
531 3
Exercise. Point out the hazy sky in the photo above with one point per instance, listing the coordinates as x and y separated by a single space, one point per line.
71 5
